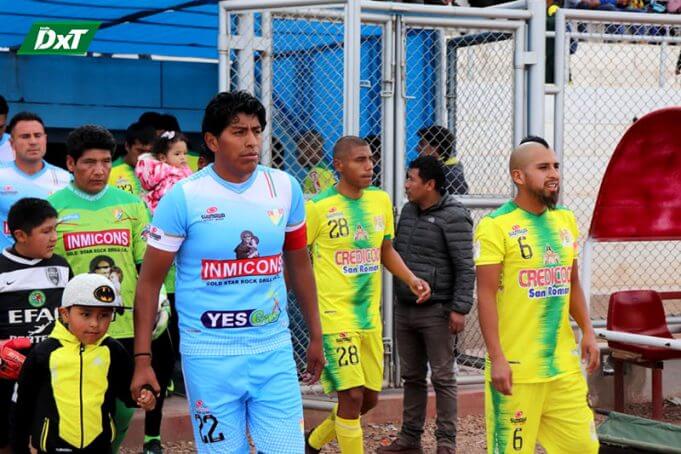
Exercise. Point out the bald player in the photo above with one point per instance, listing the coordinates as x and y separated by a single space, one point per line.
528 288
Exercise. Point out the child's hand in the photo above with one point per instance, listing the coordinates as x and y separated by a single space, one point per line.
147 400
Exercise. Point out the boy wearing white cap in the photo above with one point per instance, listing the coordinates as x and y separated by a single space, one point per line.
69 382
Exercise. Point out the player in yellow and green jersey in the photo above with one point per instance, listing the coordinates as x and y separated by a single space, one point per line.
528 287
139 139
350 230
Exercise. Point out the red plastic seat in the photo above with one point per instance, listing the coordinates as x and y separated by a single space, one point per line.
640 312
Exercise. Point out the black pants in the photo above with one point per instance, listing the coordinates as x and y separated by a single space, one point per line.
163 362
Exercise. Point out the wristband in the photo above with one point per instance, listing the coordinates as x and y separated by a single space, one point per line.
142 354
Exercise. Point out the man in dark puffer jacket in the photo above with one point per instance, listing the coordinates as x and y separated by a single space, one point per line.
434 238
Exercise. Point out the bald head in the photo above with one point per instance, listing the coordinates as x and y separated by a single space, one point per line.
525 153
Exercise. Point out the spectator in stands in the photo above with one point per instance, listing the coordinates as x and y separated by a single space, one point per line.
438 141
139 139
6 153
310 156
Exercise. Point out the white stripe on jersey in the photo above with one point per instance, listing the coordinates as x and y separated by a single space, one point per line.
40 277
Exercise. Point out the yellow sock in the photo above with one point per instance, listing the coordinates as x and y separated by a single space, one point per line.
349 434
325 432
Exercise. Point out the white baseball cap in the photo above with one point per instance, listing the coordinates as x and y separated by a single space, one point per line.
93 290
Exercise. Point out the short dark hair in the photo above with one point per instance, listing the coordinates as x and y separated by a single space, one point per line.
140 132
169 123
88 137
152 119
29 213
4 108
224 108
24 116
346 143
439 137
430 168
535 139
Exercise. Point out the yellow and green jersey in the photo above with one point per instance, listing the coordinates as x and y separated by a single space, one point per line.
346 237
318 179
533 301
103 233
123 177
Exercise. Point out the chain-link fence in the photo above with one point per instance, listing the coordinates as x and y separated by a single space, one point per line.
458 90
615 73
469 126
460 105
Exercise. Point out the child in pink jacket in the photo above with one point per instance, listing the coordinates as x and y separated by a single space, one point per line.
159 170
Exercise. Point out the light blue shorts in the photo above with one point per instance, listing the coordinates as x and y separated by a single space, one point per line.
230 394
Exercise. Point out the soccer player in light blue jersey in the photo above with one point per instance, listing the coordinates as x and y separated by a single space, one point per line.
28 175
231 228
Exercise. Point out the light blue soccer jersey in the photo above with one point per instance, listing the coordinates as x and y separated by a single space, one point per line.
229 239
15 185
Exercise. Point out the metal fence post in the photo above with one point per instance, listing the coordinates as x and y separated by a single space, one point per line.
352 67
536 73
223 49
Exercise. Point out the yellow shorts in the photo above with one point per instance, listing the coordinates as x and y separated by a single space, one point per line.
555 413
353 359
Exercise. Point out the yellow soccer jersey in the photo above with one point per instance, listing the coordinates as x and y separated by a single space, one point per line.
533 301
123 177
346 237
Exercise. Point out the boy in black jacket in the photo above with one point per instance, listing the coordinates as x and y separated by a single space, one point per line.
69 383
32 279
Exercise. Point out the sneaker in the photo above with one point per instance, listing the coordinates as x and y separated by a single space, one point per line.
398 446
152 447
309 449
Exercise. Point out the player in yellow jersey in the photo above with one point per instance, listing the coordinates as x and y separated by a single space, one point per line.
528 287
350 229
139 139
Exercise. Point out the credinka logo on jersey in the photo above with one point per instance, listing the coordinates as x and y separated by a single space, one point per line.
212 214
546 282
358 261
81 240
59 38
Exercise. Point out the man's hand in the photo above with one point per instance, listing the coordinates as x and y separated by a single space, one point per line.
591 354
315 362
420 288
502 378
144 376
456 322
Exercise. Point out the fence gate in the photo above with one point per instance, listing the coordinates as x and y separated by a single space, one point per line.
412 67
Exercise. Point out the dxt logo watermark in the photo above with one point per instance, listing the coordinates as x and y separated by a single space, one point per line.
59 38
